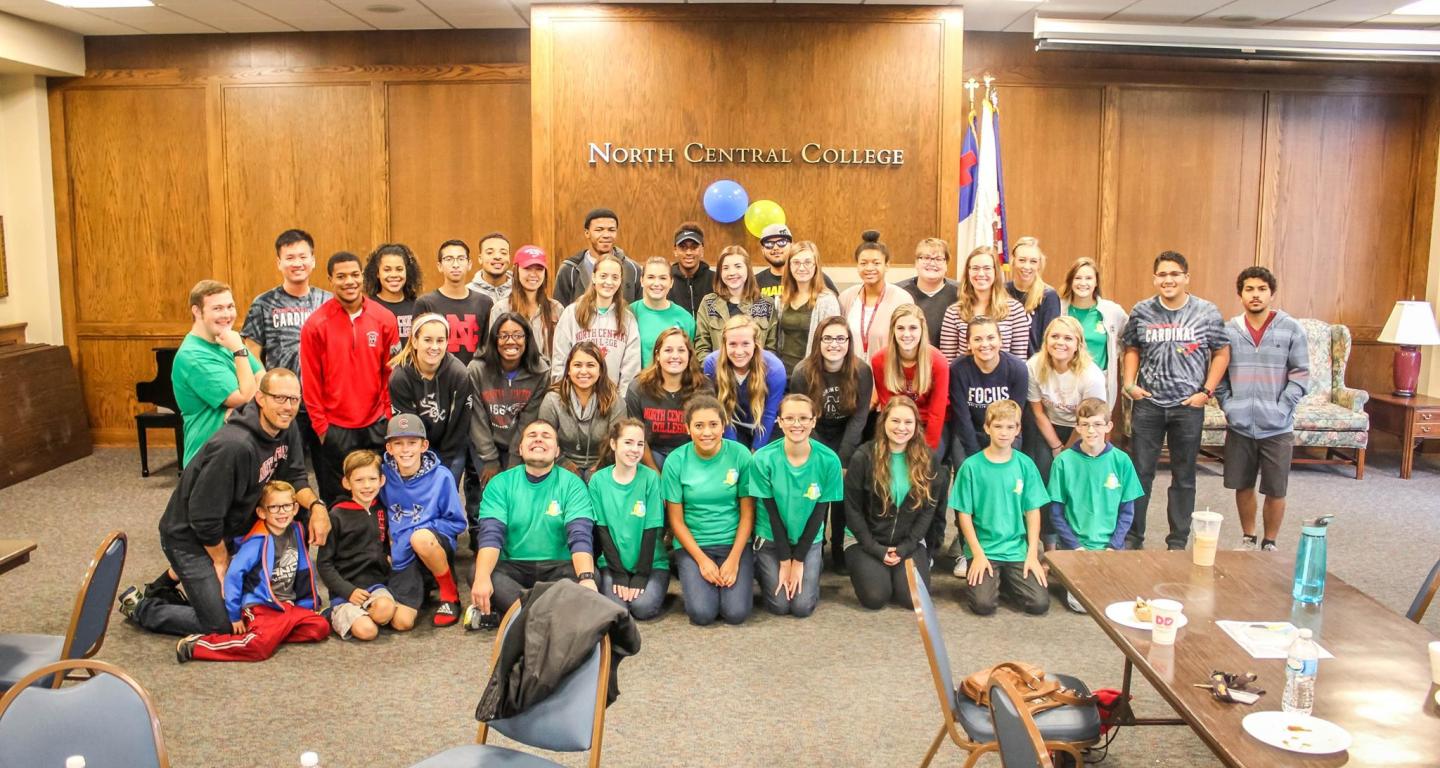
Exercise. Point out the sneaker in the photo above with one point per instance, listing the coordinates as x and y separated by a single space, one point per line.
1073 604
1268 546
129 599
1248 544
961 566
185 649
448 613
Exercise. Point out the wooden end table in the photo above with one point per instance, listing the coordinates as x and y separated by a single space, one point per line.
1412 419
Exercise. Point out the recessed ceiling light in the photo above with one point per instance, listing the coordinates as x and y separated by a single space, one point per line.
1420 8
385 8
103 3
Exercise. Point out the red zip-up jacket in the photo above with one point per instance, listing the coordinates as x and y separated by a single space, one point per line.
932 404
346 365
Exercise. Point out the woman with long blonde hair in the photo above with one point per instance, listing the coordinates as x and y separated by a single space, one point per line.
982 296
1061 375
909 366
1026 286
735 294
803 302
893 492
749 382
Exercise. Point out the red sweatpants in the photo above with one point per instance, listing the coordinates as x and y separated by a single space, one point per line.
268 629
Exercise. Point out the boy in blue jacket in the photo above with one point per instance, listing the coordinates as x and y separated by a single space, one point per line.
269 589
424 517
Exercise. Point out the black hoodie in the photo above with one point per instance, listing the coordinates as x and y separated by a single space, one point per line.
443 404
355 556
219 488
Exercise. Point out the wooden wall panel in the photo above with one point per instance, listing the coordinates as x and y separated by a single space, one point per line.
747 77
282 172
1187 179
109 369
1346 181
484 155
1050 143
132 156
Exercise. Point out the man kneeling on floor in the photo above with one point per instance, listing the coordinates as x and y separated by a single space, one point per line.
269 589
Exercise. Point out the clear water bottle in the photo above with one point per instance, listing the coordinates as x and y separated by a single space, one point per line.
1310 561
1301 666
309 760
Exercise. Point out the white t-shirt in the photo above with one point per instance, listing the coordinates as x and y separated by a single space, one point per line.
1061 395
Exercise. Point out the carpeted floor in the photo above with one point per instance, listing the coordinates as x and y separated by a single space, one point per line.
844 688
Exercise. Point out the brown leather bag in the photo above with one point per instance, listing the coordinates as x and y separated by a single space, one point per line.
1037 692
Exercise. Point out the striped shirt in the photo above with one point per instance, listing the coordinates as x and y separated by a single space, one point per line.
1014 332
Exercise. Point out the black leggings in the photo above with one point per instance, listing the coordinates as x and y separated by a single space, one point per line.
878 584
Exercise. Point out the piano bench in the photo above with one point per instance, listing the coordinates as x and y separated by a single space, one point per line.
145 422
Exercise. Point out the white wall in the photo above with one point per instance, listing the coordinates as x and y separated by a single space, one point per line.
27 205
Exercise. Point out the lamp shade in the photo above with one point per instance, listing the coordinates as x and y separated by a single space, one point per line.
1411 324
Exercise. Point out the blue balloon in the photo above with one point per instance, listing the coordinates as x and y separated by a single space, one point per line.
726 201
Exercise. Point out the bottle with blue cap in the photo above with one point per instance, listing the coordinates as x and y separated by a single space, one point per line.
1310 561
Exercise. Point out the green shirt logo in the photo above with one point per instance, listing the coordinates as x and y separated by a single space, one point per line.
732 476
639 510
554 509
1112 482
813 492
1019 486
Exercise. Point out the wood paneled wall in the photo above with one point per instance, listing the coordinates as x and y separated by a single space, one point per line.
1324 173
181 158
747 76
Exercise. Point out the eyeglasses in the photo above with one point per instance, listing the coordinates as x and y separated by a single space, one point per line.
454 259
796 421
280 509
1170 275
834 340
282 399
802 262
980 268
931 259
512 336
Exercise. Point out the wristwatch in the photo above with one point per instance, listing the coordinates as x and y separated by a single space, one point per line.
586 576
311 508
1210 393
241 352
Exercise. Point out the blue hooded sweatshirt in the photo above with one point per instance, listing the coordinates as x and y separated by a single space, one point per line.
247 581
426 499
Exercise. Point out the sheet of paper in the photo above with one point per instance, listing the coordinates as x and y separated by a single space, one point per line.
1264 639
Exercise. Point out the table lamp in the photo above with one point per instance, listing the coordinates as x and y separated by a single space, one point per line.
1411 326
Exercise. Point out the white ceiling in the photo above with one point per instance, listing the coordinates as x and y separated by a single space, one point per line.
216 16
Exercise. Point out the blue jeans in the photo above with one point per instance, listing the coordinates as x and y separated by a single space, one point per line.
205 613
648 604
1151 426
705 601
767 571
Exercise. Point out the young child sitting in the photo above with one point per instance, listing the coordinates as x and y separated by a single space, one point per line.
424 517
357 553
998 494
1093 488
269 589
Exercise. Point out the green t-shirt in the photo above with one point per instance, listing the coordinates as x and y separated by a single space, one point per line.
709 490
796 490
899 478
652 322
1093 323
1092 488
535 514
627 511
997 496
203 376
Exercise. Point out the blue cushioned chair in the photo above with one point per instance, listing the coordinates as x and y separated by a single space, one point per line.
89 619
572 719
1020 742
1421 603
1069 728
108 718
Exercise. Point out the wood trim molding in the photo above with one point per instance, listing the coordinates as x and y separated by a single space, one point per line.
542 129
297 75
1108 230
953 111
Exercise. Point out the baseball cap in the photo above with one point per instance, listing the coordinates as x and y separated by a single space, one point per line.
689 234
775 230
530 256
404 425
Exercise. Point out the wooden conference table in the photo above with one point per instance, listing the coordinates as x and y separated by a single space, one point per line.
14 553
1377 687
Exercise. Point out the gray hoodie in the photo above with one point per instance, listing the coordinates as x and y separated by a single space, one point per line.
1265 381
581 433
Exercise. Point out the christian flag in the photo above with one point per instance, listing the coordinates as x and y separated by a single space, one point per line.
989 226
969 158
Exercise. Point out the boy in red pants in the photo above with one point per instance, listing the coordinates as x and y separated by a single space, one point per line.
269 589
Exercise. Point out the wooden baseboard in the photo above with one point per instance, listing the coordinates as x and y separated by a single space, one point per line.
123 437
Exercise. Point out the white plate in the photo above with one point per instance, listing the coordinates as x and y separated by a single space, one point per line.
1279 729
1123 613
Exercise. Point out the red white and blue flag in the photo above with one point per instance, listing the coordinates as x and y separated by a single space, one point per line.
969 158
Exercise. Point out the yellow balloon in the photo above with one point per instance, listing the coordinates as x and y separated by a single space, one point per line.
761 214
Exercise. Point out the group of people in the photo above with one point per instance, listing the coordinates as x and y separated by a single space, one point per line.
626 420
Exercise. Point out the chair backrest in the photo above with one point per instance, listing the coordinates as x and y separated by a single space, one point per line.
161 389
1421 603
933 640
93 605
108 718
1329 347
1020 743
570 719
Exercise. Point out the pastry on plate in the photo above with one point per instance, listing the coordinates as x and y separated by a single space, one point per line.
1142 611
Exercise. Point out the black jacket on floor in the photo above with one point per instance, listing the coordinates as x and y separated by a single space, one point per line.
552 637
